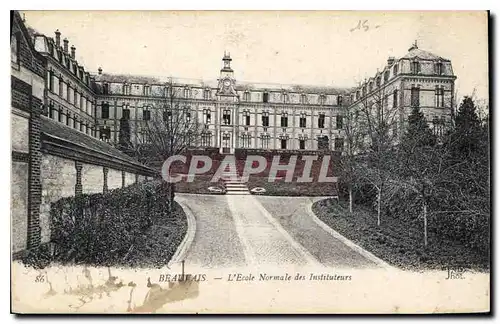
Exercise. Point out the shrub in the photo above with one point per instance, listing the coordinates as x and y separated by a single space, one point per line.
99 228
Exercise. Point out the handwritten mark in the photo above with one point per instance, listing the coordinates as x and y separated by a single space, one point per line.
363 25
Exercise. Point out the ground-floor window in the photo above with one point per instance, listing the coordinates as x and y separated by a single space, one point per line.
246 140
206 139
283 144
339 144
265 139
302 144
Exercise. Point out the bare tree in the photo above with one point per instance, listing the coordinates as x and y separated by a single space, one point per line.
170 127
379 123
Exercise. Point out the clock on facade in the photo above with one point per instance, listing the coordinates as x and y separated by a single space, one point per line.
227 83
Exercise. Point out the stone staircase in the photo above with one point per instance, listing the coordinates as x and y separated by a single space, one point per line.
233 183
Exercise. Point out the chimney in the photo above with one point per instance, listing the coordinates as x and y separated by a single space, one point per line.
73 49
65 41
58 38
99 71
390 60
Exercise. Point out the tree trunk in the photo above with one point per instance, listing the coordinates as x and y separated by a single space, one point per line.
350 199
425 223
379 199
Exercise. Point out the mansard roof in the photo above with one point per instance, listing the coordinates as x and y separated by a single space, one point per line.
421 54
240 86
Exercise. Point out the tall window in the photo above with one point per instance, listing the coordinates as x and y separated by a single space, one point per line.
186 92
105 88
105 110
340 122
378 82
265 119
339 144
105 133
339 100
302 120
126 113
440 97
322 99
206 139
321 121
68 92
61 86
438 68
167 115
246 118
284 119
226 116
146 114
206 116
246 96
395 98
395 69
51 80
302 144
415 97
146 90
265 139
75 98
415 67
126 89
386 76
247 140
265 97
14 48
283 143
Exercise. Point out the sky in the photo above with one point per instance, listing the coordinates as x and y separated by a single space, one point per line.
287 47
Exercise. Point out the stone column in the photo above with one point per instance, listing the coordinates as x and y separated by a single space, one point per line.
105 182
123 179
78 185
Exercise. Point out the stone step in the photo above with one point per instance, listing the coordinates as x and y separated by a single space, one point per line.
236 189
238 193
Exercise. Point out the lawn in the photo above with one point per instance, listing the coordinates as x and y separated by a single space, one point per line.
294 188
397 242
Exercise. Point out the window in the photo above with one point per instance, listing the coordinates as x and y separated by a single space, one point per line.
395 99
186 92
246 118
265 119
370 87
438 68
187 113
61 86
415 97
322 99
105 88
51 80
415 67
105 133
285 97
340 122
339 100
283 143
206 116
246 140
69 120
303 98
323 143
339 144
167 115
105 111
146 90
206 139
440 97
225 142
395 69
126 89
75 98
265 97
146 114
386 76
364 91
265 139
126 114
246 96
321 121
226 116
357 95
14 48
378 82
302 144
82 105
395 129
206 94
284 119
302 120
68 92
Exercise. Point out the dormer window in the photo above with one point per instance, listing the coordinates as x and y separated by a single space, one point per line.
246 96
386 76
303 98
207 94
395 69
14 48
370 87
415 67
321 99
378 82
438 68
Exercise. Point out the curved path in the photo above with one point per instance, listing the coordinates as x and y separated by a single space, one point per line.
238 230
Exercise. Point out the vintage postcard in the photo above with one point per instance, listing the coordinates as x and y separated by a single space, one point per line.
225 162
